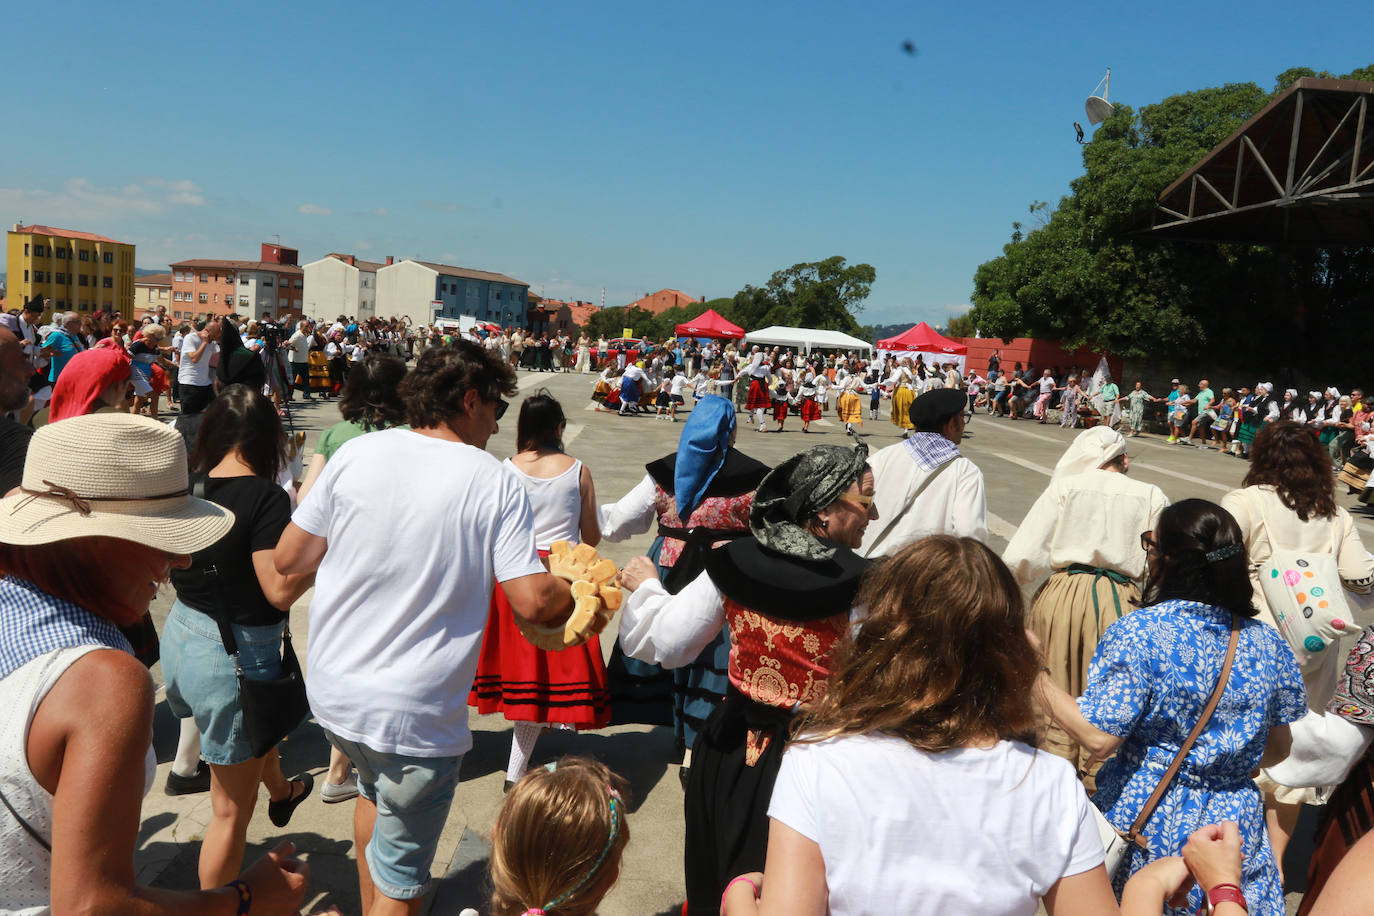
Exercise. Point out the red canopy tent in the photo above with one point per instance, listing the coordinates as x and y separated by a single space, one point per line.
923 340
709 324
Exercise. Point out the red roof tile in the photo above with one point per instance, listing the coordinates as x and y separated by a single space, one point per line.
66 234
217 264
371 266
153 280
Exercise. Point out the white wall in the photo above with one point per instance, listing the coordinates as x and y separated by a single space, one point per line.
406 288
331 289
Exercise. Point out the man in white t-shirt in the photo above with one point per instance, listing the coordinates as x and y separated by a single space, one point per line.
402 591
198 351
300 359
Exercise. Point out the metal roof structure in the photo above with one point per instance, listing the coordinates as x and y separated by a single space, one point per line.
1300 171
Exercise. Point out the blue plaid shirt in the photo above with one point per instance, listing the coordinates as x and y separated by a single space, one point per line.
931 449
34 623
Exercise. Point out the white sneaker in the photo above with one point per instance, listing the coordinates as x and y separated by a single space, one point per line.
331 794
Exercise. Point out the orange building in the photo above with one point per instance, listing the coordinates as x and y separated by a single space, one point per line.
567 316
664 299
274 285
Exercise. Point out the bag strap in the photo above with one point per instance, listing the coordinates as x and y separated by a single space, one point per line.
911 500
221 615
28 828
1337 531
1133 835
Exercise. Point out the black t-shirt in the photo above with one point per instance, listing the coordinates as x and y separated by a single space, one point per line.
261 510
14 448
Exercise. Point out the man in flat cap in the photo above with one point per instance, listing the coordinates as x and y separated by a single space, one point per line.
923 484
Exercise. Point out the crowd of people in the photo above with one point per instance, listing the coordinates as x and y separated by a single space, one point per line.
869 718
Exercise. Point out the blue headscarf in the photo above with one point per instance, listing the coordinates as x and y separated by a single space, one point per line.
701 451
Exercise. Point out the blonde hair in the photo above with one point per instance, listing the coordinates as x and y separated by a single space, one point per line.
942 658
558 840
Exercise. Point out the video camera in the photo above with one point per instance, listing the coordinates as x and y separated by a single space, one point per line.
272 334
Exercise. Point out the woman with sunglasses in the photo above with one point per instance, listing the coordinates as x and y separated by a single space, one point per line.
1154 673
786 592
1083 533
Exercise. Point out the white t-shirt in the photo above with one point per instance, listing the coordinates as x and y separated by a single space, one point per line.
679 384
300 347
195 373
965 831
402 594
1046 385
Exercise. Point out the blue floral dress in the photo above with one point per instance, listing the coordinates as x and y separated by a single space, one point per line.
1148 683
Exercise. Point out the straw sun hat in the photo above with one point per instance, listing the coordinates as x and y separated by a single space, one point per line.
110 475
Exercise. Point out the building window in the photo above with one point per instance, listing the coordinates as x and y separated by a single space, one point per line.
300 284
243 300
26 276
162 294
107 282
281 304
83 255
229 278
26 249
205 278
266 281
109 257
243 281
81 280
62 278
62 253
498 295
204 298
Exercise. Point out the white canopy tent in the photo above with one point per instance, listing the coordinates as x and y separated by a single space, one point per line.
806 339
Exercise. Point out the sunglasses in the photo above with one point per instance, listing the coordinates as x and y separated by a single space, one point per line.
1147 541
501 406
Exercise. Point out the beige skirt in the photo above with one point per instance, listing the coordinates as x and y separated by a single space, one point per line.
1069 623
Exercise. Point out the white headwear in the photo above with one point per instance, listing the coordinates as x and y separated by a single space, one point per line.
1090 450
1266 387
1314 395
1290 393
1333 392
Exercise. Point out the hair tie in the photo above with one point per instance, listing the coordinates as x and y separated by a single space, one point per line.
613 798
1224 553
533 911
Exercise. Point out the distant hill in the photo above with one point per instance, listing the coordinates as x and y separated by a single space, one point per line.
879 331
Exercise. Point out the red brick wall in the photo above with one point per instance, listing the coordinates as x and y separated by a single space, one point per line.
1043 354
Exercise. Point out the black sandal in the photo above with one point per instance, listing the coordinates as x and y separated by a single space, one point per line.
279 812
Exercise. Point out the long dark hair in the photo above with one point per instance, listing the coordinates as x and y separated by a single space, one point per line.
1289 457
241 418
540 417
1200 556
371 395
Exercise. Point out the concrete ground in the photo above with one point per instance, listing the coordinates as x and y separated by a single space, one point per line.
1016 459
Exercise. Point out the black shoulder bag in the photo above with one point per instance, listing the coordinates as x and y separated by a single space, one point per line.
271 708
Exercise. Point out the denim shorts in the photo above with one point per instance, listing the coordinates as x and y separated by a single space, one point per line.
413 796
200 678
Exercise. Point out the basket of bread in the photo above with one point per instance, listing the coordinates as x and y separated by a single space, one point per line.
595 597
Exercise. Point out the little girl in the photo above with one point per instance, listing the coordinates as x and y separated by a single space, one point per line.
1221 428
558 841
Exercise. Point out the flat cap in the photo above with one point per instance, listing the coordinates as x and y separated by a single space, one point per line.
931 410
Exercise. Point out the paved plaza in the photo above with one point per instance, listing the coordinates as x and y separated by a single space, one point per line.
1016 459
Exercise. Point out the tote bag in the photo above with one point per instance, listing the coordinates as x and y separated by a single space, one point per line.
1304 591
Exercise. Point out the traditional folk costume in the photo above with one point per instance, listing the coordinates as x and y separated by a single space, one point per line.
848 406
903 393
786 596
809 406
534 687
1085 531
1256 410
759 398
714 484
781 402
923 485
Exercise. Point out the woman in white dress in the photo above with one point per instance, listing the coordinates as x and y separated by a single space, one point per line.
584 354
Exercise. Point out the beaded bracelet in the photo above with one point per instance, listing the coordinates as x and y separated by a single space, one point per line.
245 896
732 883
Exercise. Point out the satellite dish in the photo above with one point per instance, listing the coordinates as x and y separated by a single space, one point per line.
1097 106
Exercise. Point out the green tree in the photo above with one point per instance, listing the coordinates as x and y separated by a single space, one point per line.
960 326
1086 277
609 323
815 294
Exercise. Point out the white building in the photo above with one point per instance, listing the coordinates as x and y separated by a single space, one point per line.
424 290
340 284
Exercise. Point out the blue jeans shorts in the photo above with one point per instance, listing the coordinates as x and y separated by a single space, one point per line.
200 678
413 796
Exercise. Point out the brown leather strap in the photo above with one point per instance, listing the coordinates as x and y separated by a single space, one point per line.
1133 835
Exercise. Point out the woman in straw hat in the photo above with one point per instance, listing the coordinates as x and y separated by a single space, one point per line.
84 546
238 457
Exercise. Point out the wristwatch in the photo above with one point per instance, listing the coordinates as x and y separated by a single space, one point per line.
1226 893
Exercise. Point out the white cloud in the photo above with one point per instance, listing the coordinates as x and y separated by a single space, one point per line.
362 246
314 210
81 204
379 211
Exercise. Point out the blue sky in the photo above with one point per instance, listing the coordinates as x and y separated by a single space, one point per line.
578 146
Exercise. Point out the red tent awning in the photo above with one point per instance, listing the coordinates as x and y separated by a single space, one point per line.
709 324
924 338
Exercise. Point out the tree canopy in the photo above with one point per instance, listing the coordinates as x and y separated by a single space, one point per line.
1084 277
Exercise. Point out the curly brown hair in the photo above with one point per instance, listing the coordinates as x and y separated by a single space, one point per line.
433 391
942 658
1289 457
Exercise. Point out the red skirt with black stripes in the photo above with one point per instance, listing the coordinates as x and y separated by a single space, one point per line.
526 684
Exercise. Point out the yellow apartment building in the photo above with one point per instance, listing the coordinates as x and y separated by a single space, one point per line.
78 271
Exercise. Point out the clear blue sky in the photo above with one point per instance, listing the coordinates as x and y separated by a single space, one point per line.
586 145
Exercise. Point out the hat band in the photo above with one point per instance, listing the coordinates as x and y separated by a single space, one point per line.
82 504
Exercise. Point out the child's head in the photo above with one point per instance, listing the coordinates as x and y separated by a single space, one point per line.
558 840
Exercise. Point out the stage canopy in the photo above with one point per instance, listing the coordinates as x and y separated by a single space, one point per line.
709 324
807 339
1300 171
923 340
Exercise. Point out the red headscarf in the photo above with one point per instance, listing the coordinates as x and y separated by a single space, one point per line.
85 376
